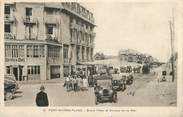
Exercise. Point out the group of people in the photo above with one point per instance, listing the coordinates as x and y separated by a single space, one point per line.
76 82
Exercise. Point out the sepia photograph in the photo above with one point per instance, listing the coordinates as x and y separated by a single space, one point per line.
90 54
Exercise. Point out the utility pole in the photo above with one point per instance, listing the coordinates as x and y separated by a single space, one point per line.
171 23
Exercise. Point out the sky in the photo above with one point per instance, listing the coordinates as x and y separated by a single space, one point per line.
140 26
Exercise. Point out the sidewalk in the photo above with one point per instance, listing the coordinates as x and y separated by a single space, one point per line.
58 80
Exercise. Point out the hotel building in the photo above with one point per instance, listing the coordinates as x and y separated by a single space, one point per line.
44 41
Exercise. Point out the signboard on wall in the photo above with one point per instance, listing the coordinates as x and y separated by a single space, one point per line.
14 59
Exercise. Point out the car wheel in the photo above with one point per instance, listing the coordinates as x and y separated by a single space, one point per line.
8 96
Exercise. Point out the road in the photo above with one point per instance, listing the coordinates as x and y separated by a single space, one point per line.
145 91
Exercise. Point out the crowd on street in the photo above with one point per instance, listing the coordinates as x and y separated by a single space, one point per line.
76 83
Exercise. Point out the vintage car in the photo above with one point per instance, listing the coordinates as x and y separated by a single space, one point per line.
127 78
123 69
137 69
118 82
10 86
103 89
145 69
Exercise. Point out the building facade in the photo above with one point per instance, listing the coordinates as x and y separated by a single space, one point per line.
135 56
46 40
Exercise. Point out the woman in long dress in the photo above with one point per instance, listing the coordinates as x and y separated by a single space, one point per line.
85 83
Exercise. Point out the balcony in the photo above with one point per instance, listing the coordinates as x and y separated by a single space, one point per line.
9 36
31 36
51 20
9 18
30 20
50 37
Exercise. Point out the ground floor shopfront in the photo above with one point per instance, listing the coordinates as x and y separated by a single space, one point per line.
29 60
31 71
39 60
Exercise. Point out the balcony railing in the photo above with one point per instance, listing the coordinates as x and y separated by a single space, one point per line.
50 37
31 36
9 18
9 36
30 20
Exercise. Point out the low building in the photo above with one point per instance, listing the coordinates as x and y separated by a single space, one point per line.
135 56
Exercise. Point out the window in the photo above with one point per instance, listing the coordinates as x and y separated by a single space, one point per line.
28 11
7 9
41 49
77 51
8 69
33 70
7 28
53 51
14 51
21 51
49 29
35 51
65 52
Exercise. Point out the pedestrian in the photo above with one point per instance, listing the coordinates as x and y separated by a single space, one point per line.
85 82
75 81
79 82
24 74
71 84
67 82
41 97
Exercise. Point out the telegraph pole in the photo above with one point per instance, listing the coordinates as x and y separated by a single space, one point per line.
171 23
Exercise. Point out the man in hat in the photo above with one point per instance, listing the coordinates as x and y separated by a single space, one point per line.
41 98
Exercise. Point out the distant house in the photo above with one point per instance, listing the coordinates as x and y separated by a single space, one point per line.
135 56
128 55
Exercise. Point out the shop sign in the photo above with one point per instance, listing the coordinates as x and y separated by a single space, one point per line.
14 59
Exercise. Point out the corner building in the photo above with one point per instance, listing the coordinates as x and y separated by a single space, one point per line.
46 40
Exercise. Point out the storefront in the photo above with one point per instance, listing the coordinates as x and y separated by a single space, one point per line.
55 71
36 61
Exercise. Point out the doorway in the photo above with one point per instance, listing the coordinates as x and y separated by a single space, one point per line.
15 72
